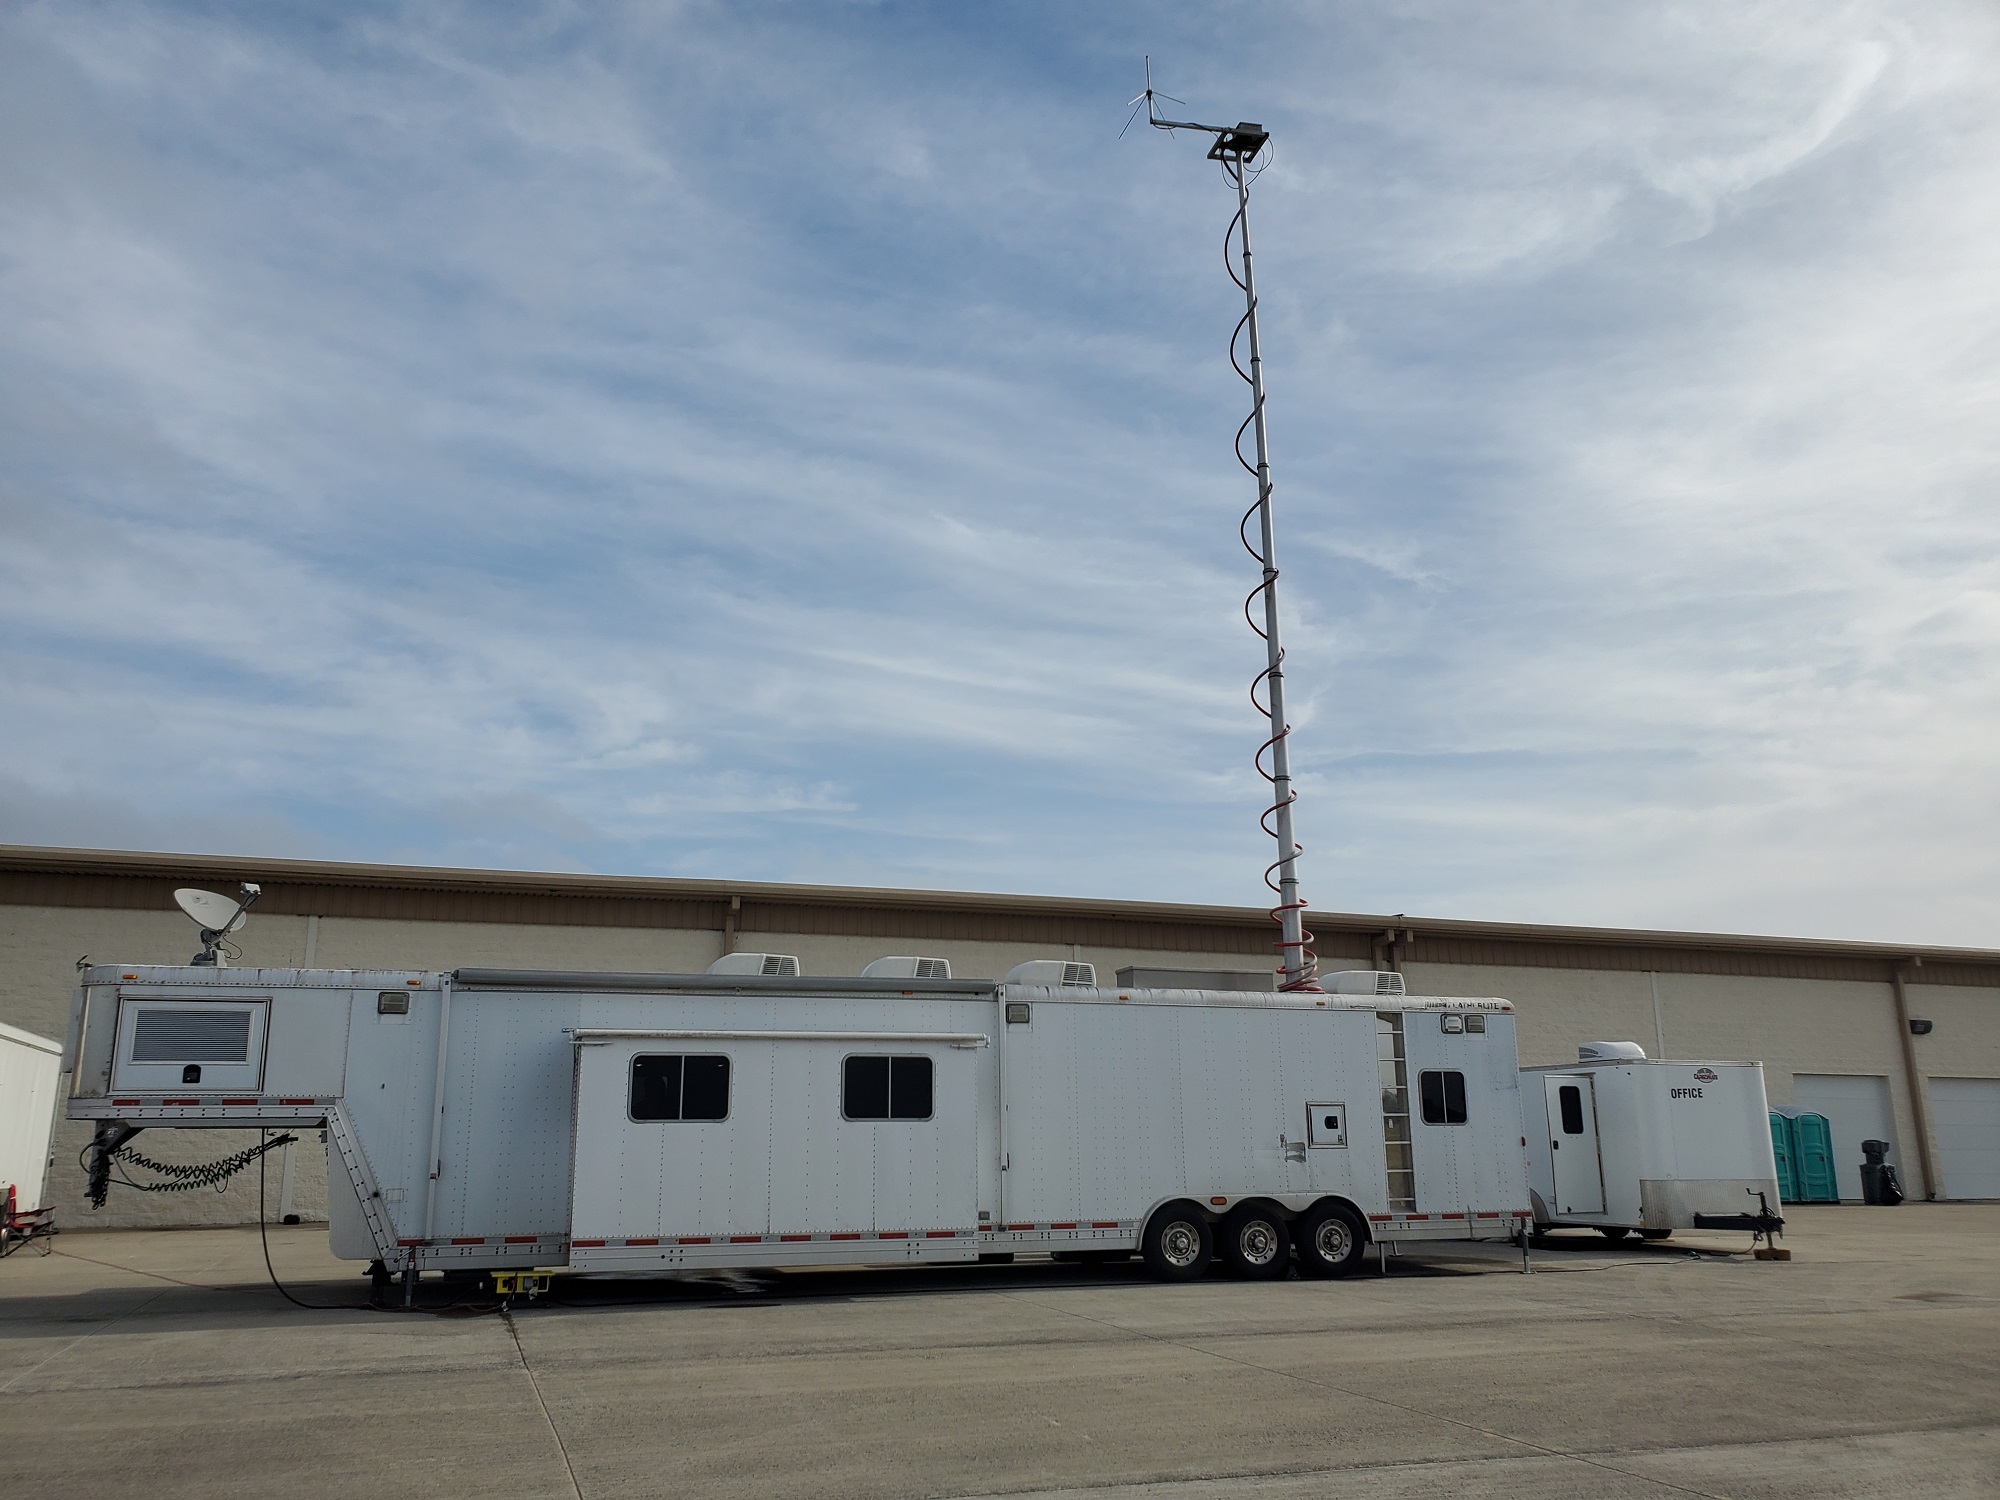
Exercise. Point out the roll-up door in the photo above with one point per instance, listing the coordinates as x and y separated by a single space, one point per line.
1965 1117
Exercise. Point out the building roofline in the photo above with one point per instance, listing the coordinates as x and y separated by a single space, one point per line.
115 863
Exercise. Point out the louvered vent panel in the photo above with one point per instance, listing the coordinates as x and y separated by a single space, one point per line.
208 1034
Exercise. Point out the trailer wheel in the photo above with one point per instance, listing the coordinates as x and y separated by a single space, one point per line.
1656 1234
1178 1243
1331 1240
1256 1243
1613 1232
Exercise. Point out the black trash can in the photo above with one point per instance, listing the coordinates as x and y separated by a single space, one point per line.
1879 1185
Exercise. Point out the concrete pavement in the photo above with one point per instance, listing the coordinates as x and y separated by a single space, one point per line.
162 1364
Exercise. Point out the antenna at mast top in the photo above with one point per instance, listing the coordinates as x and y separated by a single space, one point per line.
1234 147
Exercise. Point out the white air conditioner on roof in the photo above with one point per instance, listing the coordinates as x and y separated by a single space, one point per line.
908 968
1363 982
774 965
1056 972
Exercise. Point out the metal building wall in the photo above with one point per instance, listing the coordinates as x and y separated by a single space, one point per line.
1799 1007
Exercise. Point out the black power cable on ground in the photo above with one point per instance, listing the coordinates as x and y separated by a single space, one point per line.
264 1238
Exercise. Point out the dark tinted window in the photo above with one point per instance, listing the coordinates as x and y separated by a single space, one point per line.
673 1086
886 1088
1443 1095
1571 1099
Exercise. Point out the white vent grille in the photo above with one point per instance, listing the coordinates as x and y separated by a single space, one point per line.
1080 974
933 968
781 965
209 1034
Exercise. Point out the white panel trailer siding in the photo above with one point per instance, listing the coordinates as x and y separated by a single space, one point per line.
1647 1144
636 1123
30 1066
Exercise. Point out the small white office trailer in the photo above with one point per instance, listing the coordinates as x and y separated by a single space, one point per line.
634 1123
1619 1142
30 1066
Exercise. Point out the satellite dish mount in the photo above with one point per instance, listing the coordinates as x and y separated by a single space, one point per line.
217 916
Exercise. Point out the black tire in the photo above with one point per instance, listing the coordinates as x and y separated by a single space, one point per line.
1331 1240
1612 1232
1256 1245
1656 1234
1178 1244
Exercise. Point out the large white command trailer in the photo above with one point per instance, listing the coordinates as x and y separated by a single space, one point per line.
1618 1141
633 1123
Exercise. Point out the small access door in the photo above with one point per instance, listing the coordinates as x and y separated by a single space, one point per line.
1579 1176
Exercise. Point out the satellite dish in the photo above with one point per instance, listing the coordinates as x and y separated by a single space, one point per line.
217 916
217 913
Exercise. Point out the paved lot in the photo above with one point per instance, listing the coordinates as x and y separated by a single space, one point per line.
162 1364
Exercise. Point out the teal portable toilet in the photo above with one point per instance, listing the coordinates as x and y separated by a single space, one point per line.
1786 1157
1812 1148
1802 1142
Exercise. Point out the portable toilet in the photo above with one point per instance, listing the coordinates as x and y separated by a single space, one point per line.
1803 1143
1786 1158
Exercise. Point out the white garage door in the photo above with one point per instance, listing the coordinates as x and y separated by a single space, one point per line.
1965 1115
1856 1105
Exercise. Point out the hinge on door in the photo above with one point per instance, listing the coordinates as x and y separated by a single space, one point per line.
1294 1150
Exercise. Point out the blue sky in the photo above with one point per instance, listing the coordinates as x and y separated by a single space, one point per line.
792 442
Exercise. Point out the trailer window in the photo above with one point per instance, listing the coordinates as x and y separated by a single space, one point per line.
1443 1095
676 1086
1570 1099
886 1088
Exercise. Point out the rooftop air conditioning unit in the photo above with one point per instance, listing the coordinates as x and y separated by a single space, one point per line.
775 965
1363 982
1610 1051
908 968
1056 972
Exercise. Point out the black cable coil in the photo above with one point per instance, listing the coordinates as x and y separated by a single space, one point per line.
185 1177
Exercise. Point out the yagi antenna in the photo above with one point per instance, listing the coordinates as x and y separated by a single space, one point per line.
217 916
1235 147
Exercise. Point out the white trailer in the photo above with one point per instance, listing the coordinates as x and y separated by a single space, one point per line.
29 1070
1619 1142
637 1123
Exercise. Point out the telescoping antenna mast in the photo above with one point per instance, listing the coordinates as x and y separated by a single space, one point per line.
1235 148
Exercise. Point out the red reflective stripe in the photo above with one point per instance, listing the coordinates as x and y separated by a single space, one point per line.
894 1234
587 1244
522 1239
1414 1217
746 1239
642 1242
1451 1216
792 1239
1063 1226
298 1101
180 1101
940 1234
124 1101
843 1236
1020 1226
408 1243
1379 1218
1103 1223
694 1239
239 1101
1488 1214
469 1240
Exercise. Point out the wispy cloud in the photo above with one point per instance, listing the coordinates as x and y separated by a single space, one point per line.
793 444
